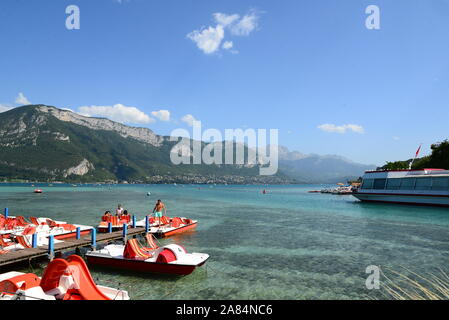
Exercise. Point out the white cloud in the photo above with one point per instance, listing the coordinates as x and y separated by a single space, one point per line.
208 40
22 100
228 45
162 115
341 129
189 119
117 112
246 25
225 19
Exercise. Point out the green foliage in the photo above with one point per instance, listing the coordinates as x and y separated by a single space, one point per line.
397 165
439 159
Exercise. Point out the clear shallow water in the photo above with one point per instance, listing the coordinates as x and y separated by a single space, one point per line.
288 244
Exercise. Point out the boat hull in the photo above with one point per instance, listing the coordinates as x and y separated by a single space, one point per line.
182 229
407 199
142 266
71 235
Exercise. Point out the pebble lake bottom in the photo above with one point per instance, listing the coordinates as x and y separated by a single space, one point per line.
287 244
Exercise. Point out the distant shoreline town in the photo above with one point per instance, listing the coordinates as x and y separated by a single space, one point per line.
224 180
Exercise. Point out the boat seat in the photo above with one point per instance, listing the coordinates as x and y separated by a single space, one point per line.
36 222
23 240
176 222
65 226
187 221
134 251
29 231
150 243
165 220
4 244
115 221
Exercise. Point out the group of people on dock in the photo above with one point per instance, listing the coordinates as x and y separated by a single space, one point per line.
119 212
159 211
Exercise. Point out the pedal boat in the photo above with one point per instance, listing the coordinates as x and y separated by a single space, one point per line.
13 227
59 229
171 259
168 227
116 223
62 280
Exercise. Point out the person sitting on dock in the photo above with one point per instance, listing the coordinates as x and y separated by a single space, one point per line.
158 210
126 218
106 216
119 211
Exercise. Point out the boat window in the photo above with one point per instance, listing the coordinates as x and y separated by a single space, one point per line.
379 184
423 184
440 183
368 184
393 184
408 184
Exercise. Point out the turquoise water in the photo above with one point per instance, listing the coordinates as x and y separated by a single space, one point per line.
287 244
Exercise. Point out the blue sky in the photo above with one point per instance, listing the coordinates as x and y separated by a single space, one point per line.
293 66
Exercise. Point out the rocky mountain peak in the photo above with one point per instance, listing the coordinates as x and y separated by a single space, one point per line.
141 134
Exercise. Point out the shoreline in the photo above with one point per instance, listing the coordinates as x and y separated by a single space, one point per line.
161 183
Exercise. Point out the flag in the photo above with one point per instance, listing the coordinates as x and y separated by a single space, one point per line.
417 151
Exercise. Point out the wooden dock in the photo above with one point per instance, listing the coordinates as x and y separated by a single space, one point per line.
25 255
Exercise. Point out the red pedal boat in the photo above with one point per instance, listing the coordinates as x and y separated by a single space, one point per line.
171 259
116 223
168 226
62 280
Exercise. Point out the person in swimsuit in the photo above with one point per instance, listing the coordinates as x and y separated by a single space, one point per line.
158 210
119 211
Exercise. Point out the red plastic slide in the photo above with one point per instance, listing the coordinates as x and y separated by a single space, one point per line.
87 289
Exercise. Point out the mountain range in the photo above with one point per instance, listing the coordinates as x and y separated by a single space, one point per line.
313 168
44 143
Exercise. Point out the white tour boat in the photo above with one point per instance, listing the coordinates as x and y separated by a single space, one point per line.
416 187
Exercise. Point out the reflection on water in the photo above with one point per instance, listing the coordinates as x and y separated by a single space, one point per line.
287 244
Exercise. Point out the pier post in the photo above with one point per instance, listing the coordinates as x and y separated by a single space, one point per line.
125 231
34 240
109 227
51 247
134 222
6 212
93 236
78 233
147 224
